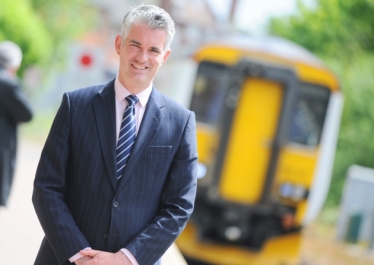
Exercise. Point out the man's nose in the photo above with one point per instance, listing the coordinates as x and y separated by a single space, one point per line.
141 56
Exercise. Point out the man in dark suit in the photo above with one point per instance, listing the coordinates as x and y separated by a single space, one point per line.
14 108
95 209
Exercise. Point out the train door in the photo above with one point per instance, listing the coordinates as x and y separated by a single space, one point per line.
255 115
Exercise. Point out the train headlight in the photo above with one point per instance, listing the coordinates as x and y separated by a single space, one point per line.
201 170
288 221
293 192
233 233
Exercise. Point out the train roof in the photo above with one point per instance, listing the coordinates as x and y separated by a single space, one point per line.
271 45
308 66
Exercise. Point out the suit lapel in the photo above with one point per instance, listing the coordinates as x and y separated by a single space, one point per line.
150 124
104 108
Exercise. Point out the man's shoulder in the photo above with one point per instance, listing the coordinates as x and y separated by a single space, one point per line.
7 82
90 91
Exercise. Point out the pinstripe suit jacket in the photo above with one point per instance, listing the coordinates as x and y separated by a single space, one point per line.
77 198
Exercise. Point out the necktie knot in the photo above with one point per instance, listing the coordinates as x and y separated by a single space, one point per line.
132 100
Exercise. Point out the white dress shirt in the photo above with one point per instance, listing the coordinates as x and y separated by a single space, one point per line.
121 104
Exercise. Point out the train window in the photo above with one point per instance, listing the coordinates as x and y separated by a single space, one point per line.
309 114
209 91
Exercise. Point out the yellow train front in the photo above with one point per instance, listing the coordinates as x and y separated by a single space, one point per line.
268 115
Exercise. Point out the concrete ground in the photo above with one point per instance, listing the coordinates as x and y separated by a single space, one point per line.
20 231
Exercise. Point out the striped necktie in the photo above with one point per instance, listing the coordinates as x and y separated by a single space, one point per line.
127 135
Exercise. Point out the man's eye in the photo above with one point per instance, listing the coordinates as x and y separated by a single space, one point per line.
135 45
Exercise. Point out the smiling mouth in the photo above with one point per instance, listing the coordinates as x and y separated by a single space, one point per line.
139 67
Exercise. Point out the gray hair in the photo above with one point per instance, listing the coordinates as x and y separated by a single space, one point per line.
152 16
10 55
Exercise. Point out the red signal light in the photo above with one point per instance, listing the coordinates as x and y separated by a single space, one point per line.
86 60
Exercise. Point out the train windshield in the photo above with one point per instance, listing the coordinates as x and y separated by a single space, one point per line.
209 91
309 114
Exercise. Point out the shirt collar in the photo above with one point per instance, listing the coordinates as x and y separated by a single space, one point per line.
121 93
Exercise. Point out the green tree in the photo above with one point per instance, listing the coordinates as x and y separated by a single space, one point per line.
65 20
43 28
355 144
19 23
341 32
331 28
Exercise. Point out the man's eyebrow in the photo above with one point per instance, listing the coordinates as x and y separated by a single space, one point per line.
135 42
156 48
138 43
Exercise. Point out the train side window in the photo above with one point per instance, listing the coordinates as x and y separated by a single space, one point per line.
209 91
309 114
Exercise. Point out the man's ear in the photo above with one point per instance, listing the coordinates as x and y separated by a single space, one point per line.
166 55
118 44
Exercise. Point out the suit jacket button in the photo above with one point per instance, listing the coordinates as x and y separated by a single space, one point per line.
115 204
105 235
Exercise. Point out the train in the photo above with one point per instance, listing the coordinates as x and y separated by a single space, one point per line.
268 115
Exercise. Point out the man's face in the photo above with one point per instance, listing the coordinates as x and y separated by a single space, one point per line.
141 55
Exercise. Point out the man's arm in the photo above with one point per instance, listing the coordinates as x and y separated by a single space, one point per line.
62 233
177 201
13 101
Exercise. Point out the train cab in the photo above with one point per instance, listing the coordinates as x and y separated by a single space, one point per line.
268 114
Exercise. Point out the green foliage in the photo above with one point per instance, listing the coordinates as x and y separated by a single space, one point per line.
355 145
43 28
19 23
342 33
332 28
64 20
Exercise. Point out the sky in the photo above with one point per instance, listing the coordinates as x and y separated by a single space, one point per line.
252 15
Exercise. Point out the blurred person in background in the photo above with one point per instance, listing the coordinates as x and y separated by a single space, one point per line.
14 108
95 208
